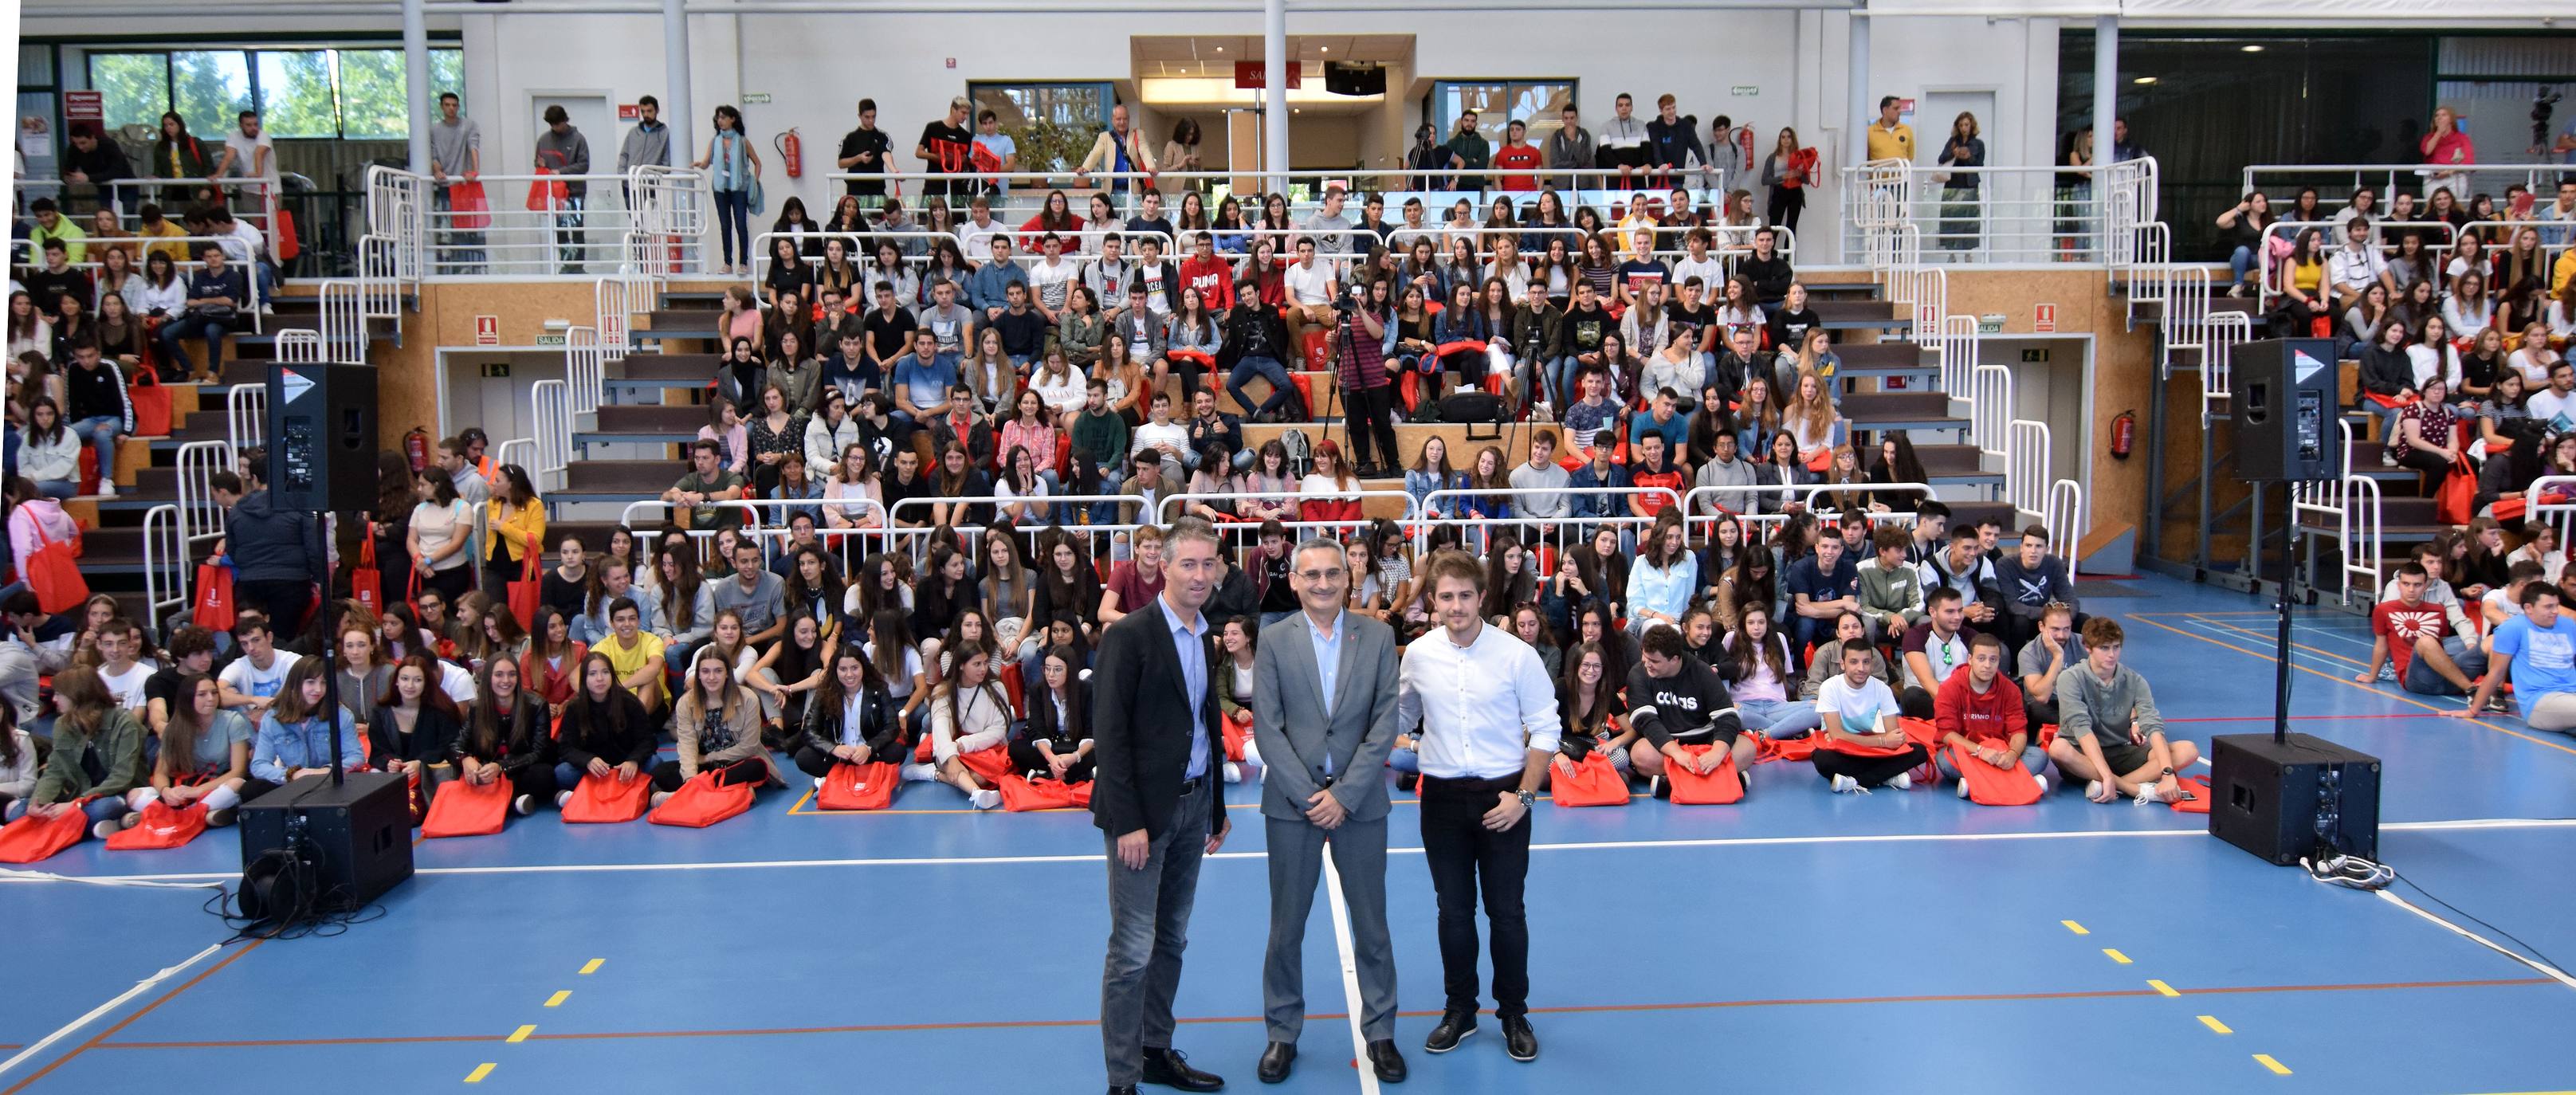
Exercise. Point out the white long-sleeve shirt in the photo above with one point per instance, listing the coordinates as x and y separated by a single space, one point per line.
1465 726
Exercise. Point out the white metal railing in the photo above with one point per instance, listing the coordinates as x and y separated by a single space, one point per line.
2329 502
2386 178
2026 466
2332 239
2361 531
553 411
199 518
1956 350
585 369
299 346
166 566
246 415
2063 517
763 519
2227 330
526 450
344 321
613 301
525 239
1990 409
2051 214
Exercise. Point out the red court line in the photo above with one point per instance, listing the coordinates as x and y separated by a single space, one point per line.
101 1037
1576 1009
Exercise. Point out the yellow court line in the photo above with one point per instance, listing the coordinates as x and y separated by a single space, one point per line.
592 966
2216 1027
556 1000
2116 956
2350 683
2278 1069
2074 927
521 1034
480 1071
2161 988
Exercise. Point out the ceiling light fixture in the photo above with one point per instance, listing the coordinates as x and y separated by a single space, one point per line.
2143 80
2253 49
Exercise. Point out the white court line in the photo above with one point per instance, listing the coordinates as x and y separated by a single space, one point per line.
1350 972
96 1013
2546 970
1585 846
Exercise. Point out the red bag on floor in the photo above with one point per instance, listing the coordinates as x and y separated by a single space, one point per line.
1992 786
1767 749
523 593
463 809
1020 795
2198 803
151 402
703 801
160 827
469 207
214 609
32 839
1315 348
53 572
1720 787
992 763
598 801
1238 729
2507 511
858 787
1591 783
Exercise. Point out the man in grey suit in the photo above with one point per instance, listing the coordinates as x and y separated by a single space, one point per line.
1323 711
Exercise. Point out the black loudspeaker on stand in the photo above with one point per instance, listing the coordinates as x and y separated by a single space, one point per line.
2288 797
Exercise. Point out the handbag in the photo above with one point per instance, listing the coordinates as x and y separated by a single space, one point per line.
597 801
151 402
32 839
214 609
469 207
524 592
366 579
53 574
702 801
992 763
859 786
465 809
158 827
755 199
1720 786
1589 782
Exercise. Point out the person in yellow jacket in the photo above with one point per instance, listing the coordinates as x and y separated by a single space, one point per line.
516 518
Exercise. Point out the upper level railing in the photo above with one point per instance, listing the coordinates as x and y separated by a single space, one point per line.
2013 215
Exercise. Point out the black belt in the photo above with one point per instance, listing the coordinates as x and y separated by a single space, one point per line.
1513 781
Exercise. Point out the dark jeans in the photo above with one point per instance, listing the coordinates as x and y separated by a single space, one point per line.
1267 368
733 225
818 762
666 775
1149 927
283 601
1026 758
1372 425
191 326
1468 860
1869 771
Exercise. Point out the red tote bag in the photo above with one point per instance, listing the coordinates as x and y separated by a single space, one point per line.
53 571
1237 729
366 580
464 809
160 827
2456 500
1022 795
214 609
606 801
992 764
703 801
2198 803
32 839
1767 749
1992 786
523 593
1720 787
469 206
151 402
1591 783
545 193
859 787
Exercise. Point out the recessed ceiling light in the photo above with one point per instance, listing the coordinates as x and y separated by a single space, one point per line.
1327 49
2253 49
2144 80
1220 49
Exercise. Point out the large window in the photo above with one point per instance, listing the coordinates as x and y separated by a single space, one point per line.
1499 103
1016 106
354 94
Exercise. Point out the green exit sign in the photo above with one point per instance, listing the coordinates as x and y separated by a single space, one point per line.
2034 356
555 339
496 370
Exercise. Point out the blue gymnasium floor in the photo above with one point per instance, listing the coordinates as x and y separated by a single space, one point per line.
934 949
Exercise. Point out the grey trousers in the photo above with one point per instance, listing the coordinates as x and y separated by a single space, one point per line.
1149 927
1296 863
2555 712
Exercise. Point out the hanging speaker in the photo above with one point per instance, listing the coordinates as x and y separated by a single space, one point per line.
1342 79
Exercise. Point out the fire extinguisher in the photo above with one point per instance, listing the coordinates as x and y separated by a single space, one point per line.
416 447
791 149
2124 434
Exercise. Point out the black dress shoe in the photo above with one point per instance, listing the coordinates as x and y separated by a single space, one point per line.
1382 1056
1275 1061
1171 1068
1519 1040
1123 1089
1455 1027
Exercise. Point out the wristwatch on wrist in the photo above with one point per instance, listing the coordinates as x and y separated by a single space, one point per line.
1526 796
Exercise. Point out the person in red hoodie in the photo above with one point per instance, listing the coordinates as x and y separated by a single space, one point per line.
1981 709
1213 277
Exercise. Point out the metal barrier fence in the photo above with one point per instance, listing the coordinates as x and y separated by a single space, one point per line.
2334 240
166 567
2001 214
526 230
2464 180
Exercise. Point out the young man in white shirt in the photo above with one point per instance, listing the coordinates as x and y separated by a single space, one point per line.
2356 264
252 681
1052 278
1699 264
118 643
1310 291
1859 711
1161 435
1484 714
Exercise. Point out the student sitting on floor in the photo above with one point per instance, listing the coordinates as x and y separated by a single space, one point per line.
717 724
98 755
851 719
1826 662
968 713
1934 649
1588 700
2430 556
2538 651
294 740
1859 709
2110 734
2431 658
415 726
205 756
1057 742
1891 590
1982 710
2046 655
1760 674
1675 700
2505 601
508 737
605 733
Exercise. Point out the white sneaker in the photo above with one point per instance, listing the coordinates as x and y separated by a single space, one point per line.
1844 785
524 805
2092 788
1904 781
1233 772
107 828
2044 785
918 773
985 799
106 489
2387 459
1963 787
2149 794
659 797
562 798
818 782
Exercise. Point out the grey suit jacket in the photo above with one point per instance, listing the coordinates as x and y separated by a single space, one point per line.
1289 723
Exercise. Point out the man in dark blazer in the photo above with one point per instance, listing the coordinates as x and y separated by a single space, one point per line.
1156 797
1323 709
